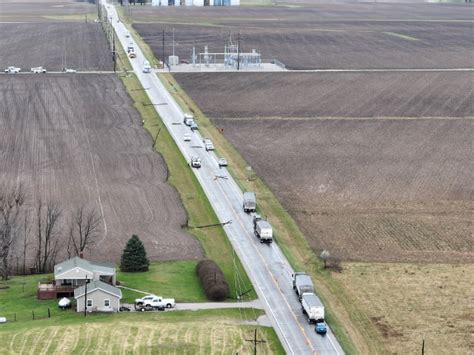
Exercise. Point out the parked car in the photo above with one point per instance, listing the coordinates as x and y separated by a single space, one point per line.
194 126
187 137
153 299
12 70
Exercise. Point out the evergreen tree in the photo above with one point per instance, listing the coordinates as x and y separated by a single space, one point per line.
134 256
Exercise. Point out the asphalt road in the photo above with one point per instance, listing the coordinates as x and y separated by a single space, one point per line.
266 266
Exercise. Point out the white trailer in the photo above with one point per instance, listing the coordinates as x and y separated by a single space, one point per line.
312 308
262 229
250 202
302 283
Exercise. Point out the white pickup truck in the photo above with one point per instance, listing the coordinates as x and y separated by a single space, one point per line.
12 70
150 302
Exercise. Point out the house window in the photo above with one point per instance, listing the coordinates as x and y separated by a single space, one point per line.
89 303
107 303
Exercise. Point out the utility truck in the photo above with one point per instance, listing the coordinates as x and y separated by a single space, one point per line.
38 70
302 283
262 229
188 119
312 308
250 202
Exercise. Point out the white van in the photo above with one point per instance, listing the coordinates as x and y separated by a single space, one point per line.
146 67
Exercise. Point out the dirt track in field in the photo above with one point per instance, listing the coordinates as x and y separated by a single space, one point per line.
372 190
331 94
322 36
54 46
77 139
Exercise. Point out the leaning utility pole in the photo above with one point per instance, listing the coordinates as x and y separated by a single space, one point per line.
255 342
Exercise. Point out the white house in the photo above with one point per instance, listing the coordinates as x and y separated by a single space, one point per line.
101 297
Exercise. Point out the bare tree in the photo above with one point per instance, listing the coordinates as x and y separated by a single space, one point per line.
26 240
12 200
48 218
84 229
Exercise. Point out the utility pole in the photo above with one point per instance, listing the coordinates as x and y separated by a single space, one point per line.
238 51
114 55
163 48
85 298
255 342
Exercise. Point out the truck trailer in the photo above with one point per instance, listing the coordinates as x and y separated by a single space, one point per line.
312 308
302 283
250 202
262 229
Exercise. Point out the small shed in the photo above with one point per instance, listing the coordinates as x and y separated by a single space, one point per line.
101 297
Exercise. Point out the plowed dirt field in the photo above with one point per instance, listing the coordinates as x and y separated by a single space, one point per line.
321 36
54 46
375 189
448 94
77 139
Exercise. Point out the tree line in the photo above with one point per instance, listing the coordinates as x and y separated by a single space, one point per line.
34 233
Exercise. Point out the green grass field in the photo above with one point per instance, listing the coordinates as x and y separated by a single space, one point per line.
176 279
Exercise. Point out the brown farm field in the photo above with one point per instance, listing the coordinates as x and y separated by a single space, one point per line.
413 94
77 139
321 36
54 46
369 189
44 10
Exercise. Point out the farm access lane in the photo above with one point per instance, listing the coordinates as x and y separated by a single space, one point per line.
266 266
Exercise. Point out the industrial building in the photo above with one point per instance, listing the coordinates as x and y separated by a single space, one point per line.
195 2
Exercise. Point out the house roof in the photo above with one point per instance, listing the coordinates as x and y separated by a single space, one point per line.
97 285
101 268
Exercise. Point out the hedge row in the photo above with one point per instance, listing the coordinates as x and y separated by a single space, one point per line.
212 280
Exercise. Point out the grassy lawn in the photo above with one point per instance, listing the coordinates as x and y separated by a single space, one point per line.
204 332
18 298
177 279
